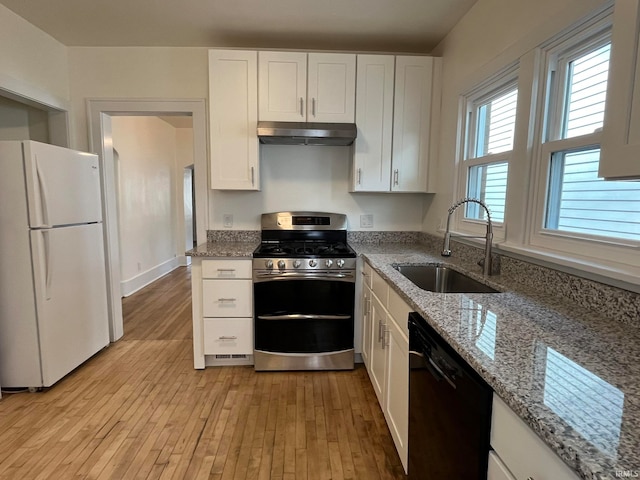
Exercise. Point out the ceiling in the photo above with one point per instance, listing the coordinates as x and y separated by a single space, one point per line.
414 26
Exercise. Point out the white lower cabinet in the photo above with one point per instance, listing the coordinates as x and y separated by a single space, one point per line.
222 306
385 347
521 452
497 470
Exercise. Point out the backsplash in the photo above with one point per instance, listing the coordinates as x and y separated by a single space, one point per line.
233 236
383 237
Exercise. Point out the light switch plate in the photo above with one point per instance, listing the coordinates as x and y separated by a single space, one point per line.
227 220
366 221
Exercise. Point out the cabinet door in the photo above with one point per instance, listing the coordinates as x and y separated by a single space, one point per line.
411 123
331 89
396 404
233 102
374 119
282 83
521 450
367 328
378 351
620 149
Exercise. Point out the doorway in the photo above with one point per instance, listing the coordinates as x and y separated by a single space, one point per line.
101 114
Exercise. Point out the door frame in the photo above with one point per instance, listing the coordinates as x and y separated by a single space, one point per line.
99 113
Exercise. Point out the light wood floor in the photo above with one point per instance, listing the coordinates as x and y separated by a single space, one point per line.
138 410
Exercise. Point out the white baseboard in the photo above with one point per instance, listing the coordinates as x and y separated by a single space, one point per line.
131 286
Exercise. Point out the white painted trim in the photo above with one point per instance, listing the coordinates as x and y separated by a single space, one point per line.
99 112
23 92
131 286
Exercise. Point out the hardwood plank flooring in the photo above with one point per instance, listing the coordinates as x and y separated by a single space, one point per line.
139 410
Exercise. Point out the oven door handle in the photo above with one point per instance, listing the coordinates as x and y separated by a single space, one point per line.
266 277
301 316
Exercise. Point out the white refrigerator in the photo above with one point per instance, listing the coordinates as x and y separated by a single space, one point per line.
53 293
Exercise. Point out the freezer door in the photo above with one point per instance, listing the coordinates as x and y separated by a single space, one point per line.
63 186
71 297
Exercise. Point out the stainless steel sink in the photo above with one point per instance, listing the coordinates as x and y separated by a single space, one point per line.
442 279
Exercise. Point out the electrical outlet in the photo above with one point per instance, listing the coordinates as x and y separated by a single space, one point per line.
366 221
227 220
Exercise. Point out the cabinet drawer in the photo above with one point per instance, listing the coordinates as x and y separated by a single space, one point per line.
379 287
497 470
521 450
226 269
227 298
228 335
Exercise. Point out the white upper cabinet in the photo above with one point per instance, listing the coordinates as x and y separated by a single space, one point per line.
233 119
412 123
620 149
301 87
374 119
397 103
331 87
282 86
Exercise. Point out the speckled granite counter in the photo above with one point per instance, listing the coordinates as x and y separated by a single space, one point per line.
573 375
223 249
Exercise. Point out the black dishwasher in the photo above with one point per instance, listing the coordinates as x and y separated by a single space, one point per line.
449 410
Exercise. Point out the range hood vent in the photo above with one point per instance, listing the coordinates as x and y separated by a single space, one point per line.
306 133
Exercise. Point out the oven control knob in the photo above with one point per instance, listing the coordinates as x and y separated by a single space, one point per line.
269 264
328 263
313 263
340 263
296 263
281 264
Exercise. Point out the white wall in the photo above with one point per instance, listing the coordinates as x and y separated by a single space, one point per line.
492 35
147 198
32 63
132 72
315 179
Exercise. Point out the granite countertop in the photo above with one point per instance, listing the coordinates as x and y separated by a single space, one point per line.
570 373
224 249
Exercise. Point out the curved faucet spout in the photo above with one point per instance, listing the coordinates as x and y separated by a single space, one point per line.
446 247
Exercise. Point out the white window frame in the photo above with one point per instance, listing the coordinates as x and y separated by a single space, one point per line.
503 81
579 248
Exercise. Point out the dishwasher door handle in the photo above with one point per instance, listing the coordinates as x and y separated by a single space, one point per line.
436 371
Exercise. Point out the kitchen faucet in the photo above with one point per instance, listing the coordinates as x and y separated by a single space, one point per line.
446 249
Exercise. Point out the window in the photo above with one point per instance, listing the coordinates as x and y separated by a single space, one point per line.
491 117
577 201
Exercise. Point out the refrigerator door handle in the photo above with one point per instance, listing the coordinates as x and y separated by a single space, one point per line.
42 186
47 265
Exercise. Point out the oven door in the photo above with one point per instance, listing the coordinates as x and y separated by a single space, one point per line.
304 313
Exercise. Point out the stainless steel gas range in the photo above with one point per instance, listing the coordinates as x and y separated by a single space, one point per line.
304 293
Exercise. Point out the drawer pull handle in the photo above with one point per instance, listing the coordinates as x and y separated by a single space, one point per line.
227 338
226 269
226 299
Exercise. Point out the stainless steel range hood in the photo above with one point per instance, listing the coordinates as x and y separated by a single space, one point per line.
306 133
